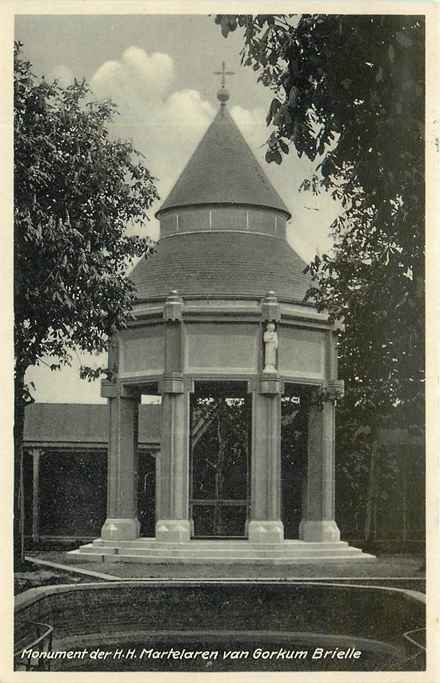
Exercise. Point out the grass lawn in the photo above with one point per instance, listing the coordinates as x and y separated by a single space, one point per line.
385 570
32 576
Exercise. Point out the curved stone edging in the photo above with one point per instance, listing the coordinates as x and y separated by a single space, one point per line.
32 595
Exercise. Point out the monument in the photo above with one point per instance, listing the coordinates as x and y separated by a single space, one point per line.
221 326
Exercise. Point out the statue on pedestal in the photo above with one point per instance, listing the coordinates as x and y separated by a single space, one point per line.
270 339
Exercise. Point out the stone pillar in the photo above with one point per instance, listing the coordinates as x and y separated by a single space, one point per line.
36 455
265 524
122 522
318 522
173 516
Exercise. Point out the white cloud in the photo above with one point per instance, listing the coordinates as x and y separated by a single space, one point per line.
167 124
156 70
164 124
136 74
251 123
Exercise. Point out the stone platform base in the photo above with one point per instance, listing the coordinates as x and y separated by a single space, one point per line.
150 550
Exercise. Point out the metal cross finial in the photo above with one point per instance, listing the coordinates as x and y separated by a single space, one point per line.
223 73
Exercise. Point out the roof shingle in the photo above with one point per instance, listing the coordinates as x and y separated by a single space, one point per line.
223 170
72 423
222 263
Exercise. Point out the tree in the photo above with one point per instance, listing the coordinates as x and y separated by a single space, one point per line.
349 94
76 191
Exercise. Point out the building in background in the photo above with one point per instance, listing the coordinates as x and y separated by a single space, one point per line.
65 469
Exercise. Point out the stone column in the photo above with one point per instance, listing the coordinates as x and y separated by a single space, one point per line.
318 522
122 522
36 455
173 516
265 524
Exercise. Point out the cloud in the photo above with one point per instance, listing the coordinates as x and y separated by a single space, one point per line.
137 74
166 124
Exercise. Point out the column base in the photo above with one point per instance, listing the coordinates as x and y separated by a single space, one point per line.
120 529
173 530
322 530
265 532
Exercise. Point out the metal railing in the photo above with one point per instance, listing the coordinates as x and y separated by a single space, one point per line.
419 655
42 635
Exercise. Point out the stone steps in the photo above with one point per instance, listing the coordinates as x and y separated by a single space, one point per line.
218 556
223 552
191 559
215 548
147 544
217 553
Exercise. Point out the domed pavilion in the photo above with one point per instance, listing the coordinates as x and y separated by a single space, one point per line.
223 335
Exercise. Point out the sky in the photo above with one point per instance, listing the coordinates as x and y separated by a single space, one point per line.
159 70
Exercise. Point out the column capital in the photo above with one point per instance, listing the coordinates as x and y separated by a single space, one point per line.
35 451
338 325
108 389
270 308
116 389
173 307
335 389
270 385
172 383
331 392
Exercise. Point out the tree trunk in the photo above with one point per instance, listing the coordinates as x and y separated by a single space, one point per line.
218 517
375 518
371 491
404 460
19 408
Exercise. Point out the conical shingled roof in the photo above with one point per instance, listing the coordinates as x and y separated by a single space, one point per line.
223 170
202 258
222 264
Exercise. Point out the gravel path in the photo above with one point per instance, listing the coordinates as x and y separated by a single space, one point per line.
391 567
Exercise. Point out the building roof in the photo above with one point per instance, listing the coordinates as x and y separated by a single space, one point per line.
222 264
83 424
86 425
223 170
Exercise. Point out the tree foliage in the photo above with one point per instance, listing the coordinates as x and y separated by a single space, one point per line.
76 191
349 94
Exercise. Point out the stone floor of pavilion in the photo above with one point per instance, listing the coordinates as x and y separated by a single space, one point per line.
216 551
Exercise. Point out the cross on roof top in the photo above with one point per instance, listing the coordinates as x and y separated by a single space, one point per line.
224 73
